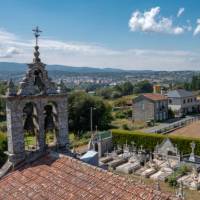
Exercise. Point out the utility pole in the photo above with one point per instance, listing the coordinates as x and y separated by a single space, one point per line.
91 118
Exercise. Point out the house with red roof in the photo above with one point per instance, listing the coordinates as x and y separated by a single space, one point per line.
150 106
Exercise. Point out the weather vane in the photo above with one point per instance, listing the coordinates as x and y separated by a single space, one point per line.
36 32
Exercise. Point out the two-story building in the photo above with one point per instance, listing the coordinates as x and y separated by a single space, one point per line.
150 107
182 102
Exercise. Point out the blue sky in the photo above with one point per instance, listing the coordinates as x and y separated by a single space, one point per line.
128 34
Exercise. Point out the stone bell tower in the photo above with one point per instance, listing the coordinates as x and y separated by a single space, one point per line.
37 106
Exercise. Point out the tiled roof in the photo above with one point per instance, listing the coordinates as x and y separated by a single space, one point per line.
70 179
155 97
179 93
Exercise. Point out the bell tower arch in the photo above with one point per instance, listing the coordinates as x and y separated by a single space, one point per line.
25 110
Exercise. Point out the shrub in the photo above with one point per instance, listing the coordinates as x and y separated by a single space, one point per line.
120 115
171 113
3 126
181 171
149 140
3 147
172 181
125 127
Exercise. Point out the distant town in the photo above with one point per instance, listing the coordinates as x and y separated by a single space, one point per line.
83 77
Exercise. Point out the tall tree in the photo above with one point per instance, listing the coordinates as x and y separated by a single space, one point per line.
127 88
79 104
143 87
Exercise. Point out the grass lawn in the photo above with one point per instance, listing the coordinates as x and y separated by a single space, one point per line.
30 140
128 124
114 102
76 142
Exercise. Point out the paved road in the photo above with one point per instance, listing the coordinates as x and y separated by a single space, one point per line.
166 124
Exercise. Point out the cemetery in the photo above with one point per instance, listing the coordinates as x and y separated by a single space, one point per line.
165 163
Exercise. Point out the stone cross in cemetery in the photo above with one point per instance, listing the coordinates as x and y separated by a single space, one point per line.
37 107
192 156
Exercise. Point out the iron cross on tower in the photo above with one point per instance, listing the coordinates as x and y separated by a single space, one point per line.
36 32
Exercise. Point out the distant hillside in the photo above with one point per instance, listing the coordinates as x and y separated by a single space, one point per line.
21 67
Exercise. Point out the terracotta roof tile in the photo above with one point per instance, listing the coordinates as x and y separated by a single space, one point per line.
70 179
155 97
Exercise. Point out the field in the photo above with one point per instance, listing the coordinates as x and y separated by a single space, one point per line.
191 130
127 124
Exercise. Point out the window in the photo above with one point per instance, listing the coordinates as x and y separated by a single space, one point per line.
142 106
184 101
170 101
164 115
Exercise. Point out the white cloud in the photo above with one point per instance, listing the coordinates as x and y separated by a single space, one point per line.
197 29
8 52
89 49
151 21
180 12
14 49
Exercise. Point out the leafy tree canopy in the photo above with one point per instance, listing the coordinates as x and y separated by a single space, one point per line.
143 87
79 104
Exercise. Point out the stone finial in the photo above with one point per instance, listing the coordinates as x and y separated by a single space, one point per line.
61 87
11 91
180 192
150 157
141 179
36 32
192 156
141 147
157 185
194 173
156 148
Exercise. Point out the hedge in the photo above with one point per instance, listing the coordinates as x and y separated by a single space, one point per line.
149 140
3 147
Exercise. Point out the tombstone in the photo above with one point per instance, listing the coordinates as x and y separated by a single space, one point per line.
101 142
166 150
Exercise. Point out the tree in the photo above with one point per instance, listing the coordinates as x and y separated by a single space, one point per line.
2 105
79 104
3 87
127 88
194 84
3 147
106 93
143 87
